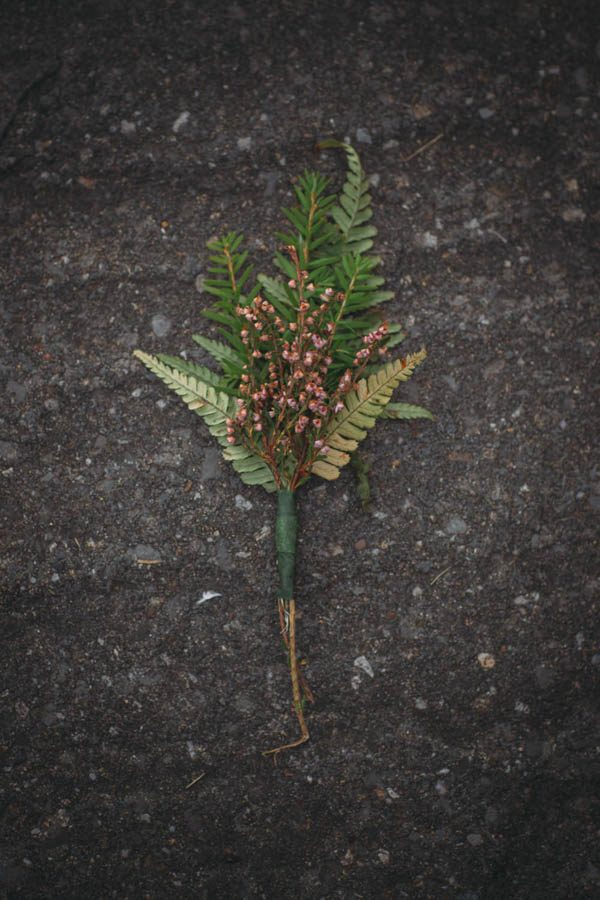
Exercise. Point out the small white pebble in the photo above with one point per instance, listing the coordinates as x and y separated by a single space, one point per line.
362 663
486 660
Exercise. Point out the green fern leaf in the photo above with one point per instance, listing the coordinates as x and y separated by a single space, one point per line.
362 408
228 269
354 208
276 292
226 356
310 218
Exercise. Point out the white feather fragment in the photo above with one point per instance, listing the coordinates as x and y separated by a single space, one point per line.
207 595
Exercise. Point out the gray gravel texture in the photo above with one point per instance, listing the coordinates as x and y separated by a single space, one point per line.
451 634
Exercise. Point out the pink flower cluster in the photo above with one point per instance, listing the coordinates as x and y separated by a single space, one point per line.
372 342
284 406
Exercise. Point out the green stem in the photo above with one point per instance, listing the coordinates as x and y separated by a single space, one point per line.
286 529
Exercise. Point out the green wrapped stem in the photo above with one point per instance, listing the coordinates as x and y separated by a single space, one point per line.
286 529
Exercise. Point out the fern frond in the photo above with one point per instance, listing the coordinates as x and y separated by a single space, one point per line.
228 267
212 404
310 218
354 208
362 407
355 278
215 407
228 358
191 368
276 291
250 468
229 275
405 411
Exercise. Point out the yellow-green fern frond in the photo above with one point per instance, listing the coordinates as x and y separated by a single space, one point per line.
405 411
362 408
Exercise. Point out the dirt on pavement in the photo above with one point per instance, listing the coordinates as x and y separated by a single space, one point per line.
450 634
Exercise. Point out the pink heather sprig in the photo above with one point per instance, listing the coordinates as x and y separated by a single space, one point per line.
284 407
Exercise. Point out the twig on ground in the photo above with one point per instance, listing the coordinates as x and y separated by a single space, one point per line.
440 575
195 781
423 147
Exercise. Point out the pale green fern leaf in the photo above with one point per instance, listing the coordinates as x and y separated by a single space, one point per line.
250 468
215 407
405 411
190 368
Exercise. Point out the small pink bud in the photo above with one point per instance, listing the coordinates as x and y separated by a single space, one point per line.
292 283
230 439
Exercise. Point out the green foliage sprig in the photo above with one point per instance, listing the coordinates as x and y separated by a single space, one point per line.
304 365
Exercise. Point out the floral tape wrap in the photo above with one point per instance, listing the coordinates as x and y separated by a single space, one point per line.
286 528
